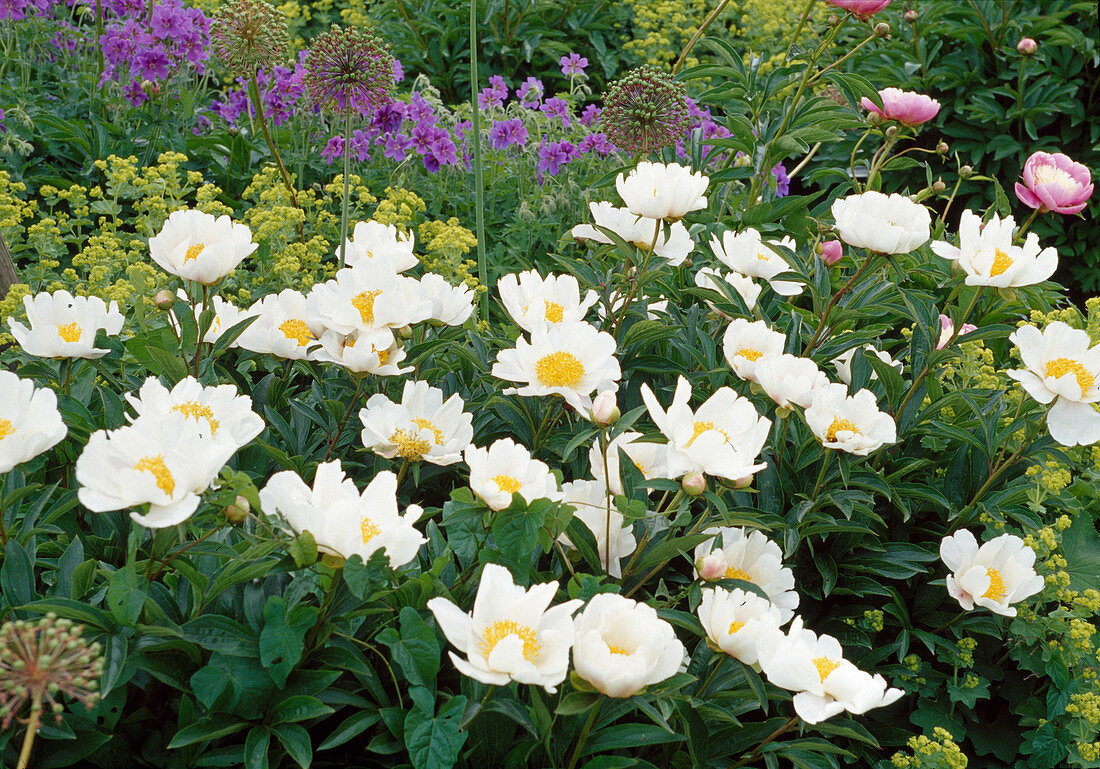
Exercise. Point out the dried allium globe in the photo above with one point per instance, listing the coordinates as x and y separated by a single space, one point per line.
349 68
645 111
249 35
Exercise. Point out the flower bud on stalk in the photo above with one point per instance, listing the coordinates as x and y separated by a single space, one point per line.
237 512
713 566
911 16
605 411
694 484
164 300
831 252
882 29
938 186
942 148
966 172
1026 46
891 132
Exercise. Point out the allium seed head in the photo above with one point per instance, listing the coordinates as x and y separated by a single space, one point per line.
249 35
645 111
349 68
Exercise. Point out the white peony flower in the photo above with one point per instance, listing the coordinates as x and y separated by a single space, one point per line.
380 247
364 352
888 224
510 635
572 360
746 342
651 459
422 427
218 413
282 327
226 316
843 363
451 305
745 253
788 379
194 245
64 326
663 191
161 461
366 299
673 243
342 521
29 420
999 573
1060 366
723 437
739 623
754 558
849 423
708 277
534 302
988 257
597 511
507 468
825 682
622 646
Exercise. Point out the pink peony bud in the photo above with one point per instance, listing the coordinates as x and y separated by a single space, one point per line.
605 411
831 252
1026 46
947 328
882 29
164 300
694 484
906 107
713 566
911 16
238 511
1054 183
861 9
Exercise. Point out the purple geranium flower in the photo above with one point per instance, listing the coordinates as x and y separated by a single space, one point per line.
334 149
573 64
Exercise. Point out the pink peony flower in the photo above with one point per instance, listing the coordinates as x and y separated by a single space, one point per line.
947 328
1054 183
831 252
906 107
861 9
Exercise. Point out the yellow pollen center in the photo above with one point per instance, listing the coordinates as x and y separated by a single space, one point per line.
997 590
507 483
425 424
370 254
735 573
369 530
617 650
294 328
825 666
193 252
503 628
364 302
837 426
761 256
6 429
383 356
559 369
735 626
1055 175
553 311
409 445
750 353
197 410
1059 367
70 332
1001 262
155 464
698 428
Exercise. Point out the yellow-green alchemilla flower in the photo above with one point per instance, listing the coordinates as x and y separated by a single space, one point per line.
887 224
999 573
747 254
65 326
660 191
194 245
29 420
851 423
988 257
506 468
423 427
622 646
738 622
512 634
534 302
746 342
752 557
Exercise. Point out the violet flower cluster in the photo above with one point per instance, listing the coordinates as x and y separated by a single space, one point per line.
138 46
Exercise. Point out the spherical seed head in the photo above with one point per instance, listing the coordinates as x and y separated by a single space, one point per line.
349 68
645 111
249 35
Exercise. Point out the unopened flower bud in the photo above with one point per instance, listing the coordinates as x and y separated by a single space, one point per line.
743 483
911 16
938 186
892 131
882 29
405 332
1026 46
966 172
831 252
238 511
873 118
164 300
605 411
694 484
713 566
941 148
833 19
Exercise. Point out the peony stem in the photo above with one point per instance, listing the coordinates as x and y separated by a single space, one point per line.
588 724
607 501
1023 228
770 738
258 104
835 298
620 316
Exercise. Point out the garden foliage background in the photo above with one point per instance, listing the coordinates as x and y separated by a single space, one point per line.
234 639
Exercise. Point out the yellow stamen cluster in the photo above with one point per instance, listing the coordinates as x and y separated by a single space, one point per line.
503 628
69 332
409 445
1059 367
825 666
155 464
296 328
507 483
6 429
197 410
559 369
837 426
369 529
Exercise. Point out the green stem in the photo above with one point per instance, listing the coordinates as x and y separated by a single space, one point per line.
843 58
806 13
835 298
347 189
756 751
585 730
698 34
821 474
1023 228
479 175
261 118
344 420
620 316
